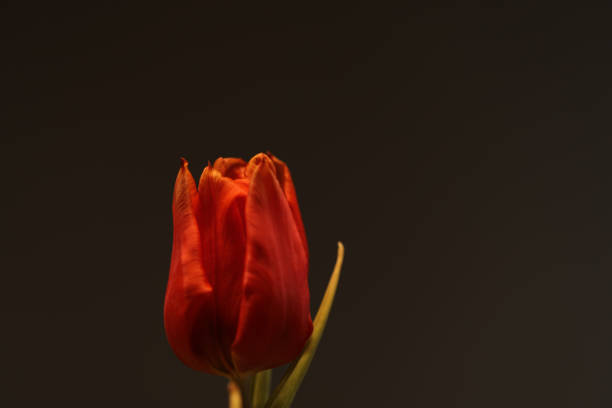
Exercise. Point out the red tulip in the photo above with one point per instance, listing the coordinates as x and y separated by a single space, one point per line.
237 299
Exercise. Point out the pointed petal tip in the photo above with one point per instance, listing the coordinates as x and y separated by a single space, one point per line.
257 161
184 162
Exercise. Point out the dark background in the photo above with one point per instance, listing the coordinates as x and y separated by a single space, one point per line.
461 153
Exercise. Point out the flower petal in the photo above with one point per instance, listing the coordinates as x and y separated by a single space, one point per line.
275 320
284 178
231 167
189 304
223 234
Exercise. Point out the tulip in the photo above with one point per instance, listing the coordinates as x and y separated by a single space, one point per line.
237 300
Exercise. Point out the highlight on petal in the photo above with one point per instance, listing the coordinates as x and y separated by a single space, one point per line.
274 321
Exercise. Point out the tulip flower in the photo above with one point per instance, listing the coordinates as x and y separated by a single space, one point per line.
237 300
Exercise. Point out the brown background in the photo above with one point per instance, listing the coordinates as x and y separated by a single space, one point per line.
461 153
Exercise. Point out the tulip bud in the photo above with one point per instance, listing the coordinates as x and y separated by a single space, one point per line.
237 299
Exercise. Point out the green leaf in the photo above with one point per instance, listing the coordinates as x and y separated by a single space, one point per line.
261 388
283 395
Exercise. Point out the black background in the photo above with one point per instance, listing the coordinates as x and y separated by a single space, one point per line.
461 153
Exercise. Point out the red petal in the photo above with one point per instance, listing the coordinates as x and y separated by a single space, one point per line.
224 244
189 303
230 167
284 178
275 311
